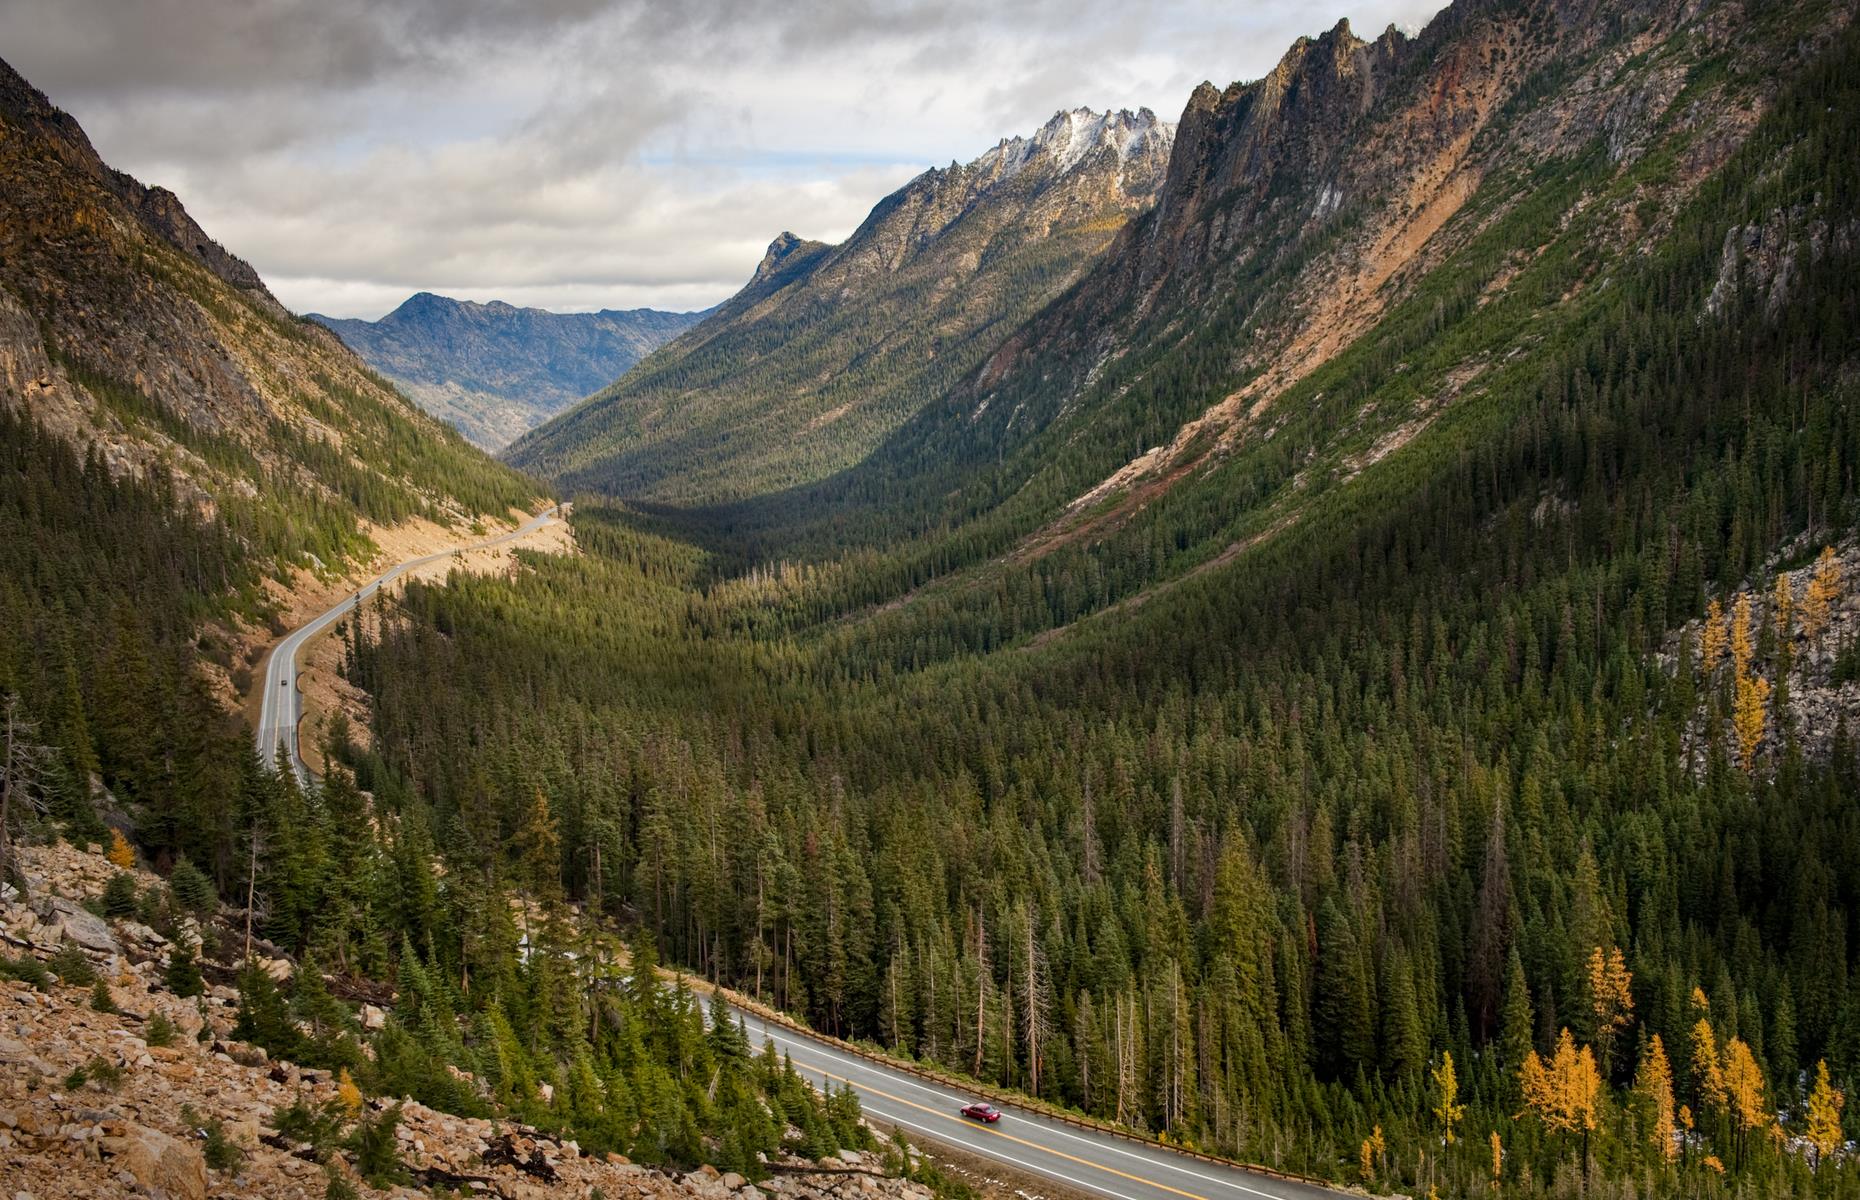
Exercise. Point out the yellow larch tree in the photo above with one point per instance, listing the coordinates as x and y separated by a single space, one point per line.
1743 1084
1743 650
120 853
1611 995
1824 1115
347 1094
1750 716
1782 608
1824 589
1447 1092
1374 1146
1654 1081
1564 1091
1707 1069
1711 638
1498 1160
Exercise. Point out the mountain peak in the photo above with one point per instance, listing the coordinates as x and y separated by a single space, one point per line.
1073 135
779 251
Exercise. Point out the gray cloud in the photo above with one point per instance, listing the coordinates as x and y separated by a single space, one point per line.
592 153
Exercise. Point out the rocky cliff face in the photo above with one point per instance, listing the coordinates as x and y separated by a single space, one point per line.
1301 207
829 348
125 328
56 136
495 370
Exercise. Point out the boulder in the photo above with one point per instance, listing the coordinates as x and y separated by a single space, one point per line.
78 925
14 1052
159 1161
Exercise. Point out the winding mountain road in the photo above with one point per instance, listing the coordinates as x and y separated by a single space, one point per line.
1080 1158
282 706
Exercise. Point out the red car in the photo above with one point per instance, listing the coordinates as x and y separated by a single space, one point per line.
981 1112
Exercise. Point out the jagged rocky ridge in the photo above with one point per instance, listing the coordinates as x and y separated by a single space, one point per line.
495 370
1299 212
828 349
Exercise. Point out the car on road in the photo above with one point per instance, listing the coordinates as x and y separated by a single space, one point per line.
981 1112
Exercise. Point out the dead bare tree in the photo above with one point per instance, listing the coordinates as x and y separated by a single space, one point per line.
983 976
23 777
1037 1016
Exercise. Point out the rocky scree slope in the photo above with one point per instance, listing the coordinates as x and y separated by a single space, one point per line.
496 371
129 332
93 1103
829 349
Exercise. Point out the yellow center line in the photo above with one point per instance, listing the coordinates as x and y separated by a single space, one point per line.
1083 1162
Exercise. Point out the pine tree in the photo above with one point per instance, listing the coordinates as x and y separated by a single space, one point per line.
1515 1042
1404 1044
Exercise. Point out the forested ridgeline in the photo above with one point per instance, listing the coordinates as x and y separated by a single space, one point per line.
1246 862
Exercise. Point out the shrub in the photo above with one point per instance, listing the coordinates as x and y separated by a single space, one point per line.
220 1151
317 1125
339 1186
119 895
182 974
71 967
160 1031
377 1150
26 969
100 1071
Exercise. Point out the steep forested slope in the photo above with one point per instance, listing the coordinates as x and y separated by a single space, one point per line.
827 350
1343 734
495 370
172 436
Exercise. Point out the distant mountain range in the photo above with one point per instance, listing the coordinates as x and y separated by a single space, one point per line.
829 349
495 370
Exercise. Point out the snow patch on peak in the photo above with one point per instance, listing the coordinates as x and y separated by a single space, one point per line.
1072 135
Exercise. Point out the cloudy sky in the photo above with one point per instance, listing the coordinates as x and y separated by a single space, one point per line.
580 154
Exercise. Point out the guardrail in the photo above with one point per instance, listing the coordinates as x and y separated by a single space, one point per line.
993 1094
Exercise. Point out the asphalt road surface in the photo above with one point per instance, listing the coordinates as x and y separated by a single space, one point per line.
1085 1160
283 704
